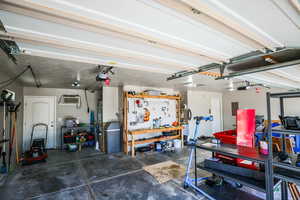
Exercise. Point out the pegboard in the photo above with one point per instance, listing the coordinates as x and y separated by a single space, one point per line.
158 108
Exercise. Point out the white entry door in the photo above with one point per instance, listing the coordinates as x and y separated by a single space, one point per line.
204 104
216 112
39 110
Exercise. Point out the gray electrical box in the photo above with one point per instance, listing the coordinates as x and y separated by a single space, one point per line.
113 137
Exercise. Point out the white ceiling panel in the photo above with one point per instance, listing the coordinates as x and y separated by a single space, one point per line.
88 57
63 35
148 20
292 73
271 80
144 36
291 11
263 17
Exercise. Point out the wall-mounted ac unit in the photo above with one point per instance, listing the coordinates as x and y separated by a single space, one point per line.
70 100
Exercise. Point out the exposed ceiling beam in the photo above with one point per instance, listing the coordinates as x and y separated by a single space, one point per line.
39 38
115 24
253 35
93 29
287 75
89 60
279 72
296 4
270 80
203 18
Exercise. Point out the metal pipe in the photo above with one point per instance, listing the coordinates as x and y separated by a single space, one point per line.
37 82
260 69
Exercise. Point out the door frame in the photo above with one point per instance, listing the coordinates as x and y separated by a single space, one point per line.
26 97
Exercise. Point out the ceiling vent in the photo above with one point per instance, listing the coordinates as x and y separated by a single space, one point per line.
73 100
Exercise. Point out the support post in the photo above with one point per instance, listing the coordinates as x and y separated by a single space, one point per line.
125 123
268 164
284 190
99 127
132 146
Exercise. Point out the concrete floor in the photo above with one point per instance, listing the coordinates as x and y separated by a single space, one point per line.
92 175
97 176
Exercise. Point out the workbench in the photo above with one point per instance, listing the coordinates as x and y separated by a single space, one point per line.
156 139
133 133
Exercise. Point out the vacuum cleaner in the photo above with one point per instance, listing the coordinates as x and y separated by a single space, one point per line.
37 152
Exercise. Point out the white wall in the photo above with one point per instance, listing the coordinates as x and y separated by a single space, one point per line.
252 100
111 103
200 103
63 111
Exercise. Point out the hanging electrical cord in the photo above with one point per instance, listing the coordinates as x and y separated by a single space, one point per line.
12 80
15 78
86 100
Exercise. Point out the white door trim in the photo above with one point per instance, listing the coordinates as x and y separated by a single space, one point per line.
24 116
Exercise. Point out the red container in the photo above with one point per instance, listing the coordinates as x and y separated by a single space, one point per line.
227 137
90 137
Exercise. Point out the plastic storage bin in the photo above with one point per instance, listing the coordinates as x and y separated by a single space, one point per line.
226 137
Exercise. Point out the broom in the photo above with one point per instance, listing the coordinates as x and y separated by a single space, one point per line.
3 168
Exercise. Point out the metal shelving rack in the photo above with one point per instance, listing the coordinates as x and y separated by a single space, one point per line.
246 153
285 172
77 128
281 174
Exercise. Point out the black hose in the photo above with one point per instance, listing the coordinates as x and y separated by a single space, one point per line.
86 100
189 114
12 80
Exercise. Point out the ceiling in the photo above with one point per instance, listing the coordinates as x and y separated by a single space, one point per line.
147 40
